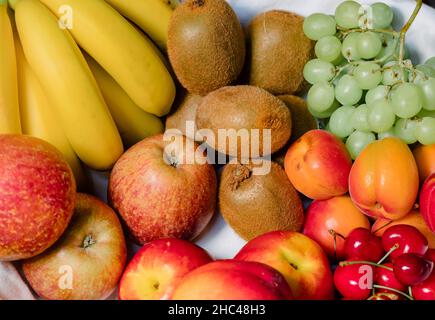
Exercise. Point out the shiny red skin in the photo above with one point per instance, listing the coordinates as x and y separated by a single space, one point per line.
425 290
430 255
387 278
37 196
409 239
411 269
347 281
427 202
361 244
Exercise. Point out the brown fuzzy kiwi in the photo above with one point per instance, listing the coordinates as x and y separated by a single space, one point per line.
244 108
206 45
255 204
302 122
279 51
184 110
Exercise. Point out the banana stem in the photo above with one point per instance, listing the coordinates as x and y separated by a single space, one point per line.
406 28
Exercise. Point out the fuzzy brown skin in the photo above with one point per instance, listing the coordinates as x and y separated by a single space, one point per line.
37 196
279 51
184 110
302 122
206 45
245 107
256 204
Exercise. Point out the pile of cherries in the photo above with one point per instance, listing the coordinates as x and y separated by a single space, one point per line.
398 265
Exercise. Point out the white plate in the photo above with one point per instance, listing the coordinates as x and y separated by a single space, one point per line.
219 239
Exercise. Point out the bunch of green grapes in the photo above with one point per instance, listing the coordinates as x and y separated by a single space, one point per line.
362 80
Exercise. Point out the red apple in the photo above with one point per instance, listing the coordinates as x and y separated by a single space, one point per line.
427 202
318 165
37 194
157 269
337 215
299 259
159 194
87 262
233 280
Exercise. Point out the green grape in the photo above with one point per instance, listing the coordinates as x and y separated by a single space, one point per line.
324 114
347 91
406 100
357 142
381 116
386 134
328 49
368 45
339 122
380 92
359 119
426 69
425 131
405 130
368 75
349 48
389 48
382 15
347 14
319 25
426 113
317 70
430 62
393 73
428 94
321 96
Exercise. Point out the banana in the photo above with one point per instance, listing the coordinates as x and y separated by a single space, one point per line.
37 116
69 85
9 109
121 50
152 16
133 123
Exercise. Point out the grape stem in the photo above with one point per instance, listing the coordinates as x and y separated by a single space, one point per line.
406 28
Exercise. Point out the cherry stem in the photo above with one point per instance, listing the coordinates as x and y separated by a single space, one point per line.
334 234
349 263
376 286
388 253
382 227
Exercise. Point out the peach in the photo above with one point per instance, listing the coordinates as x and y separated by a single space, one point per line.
425 158
37 195
427 202
298 258
318 165
414 219
157 269
233 280
338 215
383 181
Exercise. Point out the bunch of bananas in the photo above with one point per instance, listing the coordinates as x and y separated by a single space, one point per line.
80 75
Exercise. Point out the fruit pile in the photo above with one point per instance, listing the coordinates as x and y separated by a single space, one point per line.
239 139
364 85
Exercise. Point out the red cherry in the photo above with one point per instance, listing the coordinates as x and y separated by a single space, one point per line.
355 281
361 244
411 269
384 296
430 255
408 239
387 278
425 290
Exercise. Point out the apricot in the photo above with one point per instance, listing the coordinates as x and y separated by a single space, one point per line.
425 159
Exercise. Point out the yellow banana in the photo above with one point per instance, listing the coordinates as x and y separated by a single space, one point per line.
133 123
69 85
9 109
37 116
120 49
152 16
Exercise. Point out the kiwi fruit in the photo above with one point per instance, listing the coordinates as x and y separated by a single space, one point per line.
206 45
302 122
255 204
278 52
244 108
184 110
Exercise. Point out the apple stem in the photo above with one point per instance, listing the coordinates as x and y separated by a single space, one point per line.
348 263
88 241
382 227
376 286
388 253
